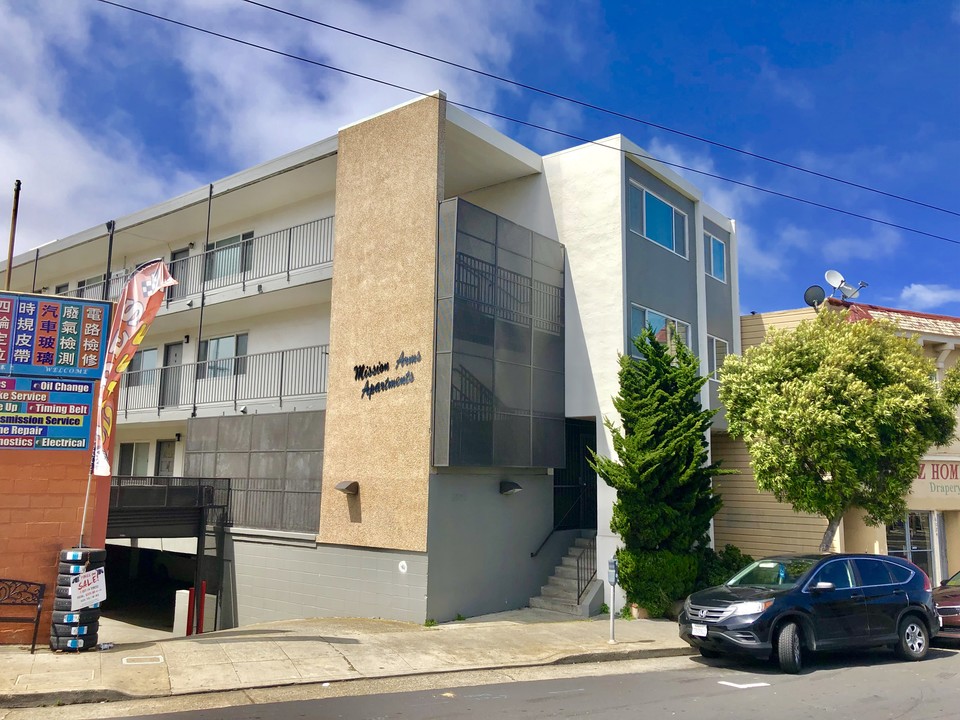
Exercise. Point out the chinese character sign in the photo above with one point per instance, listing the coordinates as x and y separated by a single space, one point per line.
42 335
138 305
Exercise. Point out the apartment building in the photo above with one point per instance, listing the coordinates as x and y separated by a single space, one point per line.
929 534
396 345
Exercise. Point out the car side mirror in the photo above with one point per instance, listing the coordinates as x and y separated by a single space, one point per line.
943 583
824 586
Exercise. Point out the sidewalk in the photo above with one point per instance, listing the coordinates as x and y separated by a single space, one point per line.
144 663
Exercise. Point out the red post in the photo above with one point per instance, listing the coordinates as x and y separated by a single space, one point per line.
190 611
203 599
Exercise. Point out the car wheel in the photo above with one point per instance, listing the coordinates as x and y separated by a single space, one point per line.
790 649
708 653
912 639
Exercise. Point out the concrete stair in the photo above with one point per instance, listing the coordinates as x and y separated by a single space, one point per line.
560 592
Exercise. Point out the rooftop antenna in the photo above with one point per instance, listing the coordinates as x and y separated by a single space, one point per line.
846 290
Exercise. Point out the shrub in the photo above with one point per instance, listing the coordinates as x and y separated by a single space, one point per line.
715 568
653 580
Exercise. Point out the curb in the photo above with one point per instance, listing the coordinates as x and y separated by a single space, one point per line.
104 695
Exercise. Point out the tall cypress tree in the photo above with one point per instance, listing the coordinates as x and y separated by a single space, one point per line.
664 499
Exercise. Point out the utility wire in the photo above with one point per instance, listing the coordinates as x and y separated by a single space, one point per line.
508 118
606 111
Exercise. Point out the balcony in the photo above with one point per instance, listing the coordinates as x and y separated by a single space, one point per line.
250 259
276 376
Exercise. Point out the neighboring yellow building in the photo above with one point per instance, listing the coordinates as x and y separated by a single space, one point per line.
929 535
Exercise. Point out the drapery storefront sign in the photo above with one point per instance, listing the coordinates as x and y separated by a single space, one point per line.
46 414
365 372
42 335
937 481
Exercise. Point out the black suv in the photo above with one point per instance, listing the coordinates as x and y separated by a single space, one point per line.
781 607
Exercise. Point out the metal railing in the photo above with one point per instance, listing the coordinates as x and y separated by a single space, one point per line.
250 259
141 491
275 504
278 375
586 566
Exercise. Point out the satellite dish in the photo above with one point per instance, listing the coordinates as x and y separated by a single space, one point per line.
834 279
814 295
849 292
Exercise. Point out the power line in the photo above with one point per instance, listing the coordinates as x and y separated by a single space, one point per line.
606 111
525 123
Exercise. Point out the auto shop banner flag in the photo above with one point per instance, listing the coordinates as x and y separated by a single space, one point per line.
136 308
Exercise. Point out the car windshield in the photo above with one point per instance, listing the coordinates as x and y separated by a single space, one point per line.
953 582
774 572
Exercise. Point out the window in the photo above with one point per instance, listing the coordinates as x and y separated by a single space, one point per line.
133 459
229 256
666 329
715 253
837 572
142 370
656 220
873 572
61 289
223 356
717 351
91 287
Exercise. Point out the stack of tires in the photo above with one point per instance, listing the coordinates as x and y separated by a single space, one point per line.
75 629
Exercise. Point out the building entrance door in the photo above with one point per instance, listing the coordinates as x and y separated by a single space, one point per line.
575 487
170 375
166 453
912 538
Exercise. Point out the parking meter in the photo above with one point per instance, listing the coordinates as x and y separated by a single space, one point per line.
612 571
612 578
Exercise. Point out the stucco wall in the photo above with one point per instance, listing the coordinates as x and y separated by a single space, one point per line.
388 190
480 542
273 579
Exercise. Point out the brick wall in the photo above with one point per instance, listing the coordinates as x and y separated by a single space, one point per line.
41 507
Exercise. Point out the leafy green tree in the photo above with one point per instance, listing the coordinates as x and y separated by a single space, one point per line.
664 499
836 415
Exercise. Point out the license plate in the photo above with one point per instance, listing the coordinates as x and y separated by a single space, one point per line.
698 630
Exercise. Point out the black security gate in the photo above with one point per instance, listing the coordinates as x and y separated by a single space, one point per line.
175 507
575 487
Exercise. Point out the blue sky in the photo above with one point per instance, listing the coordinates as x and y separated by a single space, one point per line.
105 111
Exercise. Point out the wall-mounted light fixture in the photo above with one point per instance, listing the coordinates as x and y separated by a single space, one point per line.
509 487
189 303
186 339
349 487
190 245
243 409
259 288
177 435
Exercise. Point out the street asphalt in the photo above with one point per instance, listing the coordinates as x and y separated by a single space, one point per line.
144 663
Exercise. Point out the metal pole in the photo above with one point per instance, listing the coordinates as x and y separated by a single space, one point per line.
203 298
13 231
106 278
36 263
613 605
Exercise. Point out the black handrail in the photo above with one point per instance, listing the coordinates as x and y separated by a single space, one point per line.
586 567
557 525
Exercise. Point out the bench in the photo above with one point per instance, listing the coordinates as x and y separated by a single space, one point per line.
19 593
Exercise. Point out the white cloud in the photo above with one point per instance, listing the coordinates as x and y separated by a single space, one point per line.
883 242
242 106
792 91
918 296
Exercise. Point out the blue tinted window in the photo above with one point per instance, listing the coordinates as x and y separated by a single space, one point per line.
659 221
718 259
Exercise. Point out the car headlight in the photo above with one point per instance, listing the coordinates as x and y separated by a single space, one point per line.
753 607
